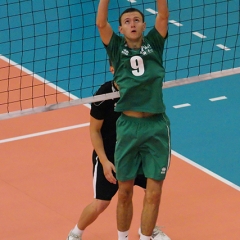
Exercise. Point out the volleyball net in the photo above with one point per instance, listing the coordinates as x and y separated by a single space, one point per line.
51 55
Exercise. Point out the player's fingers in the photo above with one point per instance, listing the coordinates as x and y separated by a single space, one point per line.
111 178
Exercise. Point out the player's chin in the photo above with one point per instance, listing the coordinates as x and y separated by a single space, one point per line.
134 36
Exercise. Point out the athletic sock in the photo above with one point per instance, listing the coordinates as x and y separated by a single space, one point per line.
143 237
123 235
77 231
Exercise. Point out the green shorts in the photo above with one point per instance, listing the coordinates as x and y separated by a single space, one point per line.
143 145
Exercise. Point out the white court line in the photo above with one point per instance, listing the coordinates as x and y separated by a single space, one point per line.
176 23
43 133
206 170
41 79
182 105
223 47
151 11
87 124
217 98
199 35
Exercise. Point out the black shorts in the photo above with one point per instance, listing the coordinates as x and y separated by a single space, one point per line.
102 188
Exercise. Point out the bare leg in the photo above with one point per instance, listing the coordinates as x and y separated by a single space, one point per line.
151 206
91 212
124 205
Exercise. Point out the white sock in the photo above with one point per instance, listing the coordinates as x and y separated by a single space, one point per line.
123 235
143 237
77 231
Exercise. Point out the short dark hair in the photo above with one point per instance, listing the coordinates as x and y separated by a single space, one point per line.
130 10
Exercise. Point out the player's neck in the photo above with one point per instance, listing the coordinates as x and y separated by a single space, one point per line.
134 44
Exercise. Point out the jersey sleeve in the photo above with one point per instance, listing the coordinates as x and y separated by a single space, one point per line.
97 111
113 48
156 40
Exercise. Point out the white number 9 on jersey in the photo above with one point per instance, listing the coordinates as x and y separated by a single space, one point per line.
138 66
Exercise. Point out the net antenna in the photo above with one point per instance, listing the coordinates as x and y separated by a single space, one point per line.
51 55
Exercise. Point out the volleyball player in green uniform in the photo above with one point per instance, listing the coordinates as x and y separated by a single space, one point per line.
143 131
103 136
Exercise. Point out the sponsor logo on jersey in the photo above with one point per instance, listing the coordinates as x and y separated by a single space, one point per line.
146 49
125 52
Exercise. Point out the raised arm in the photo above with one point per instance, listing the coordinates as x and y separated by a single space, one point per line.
161 23
105 30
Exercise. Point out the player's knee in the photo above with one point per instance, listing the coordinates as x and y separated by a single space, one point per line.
101 205
152 197
125 195
125 191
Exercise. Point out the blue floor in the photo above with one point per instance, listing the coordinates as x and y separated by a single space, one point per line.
208 132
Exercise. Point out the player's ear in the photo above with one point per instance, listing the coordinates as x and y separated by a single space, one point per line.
111 69
144 26
120 29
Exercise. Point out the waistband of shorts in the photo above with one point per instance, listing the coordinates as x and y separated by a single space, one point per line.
141 120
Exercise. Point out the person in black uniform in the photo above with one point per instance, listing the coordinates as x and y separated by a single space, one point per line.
103 137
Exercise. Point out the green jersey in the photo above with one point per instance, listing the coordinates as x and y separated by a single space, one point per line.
138 73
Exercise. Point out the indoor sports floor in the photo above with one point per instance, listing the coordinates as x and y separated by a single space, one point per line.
45 167
46 181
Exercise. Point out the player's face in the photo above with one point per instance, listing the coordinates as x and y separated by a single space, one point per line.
132 25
